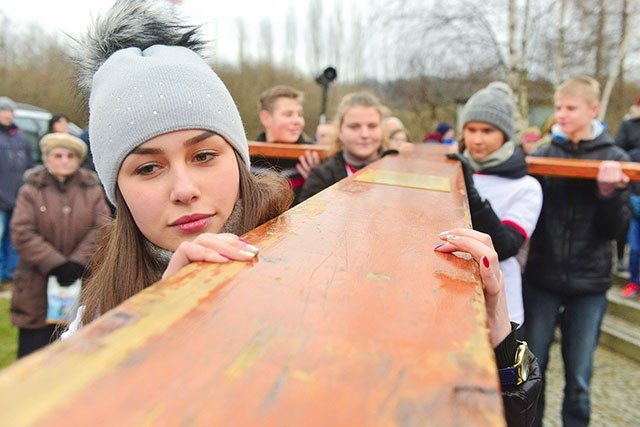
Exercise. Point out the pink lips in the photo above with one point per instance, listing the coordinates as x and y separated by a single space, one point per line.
192 223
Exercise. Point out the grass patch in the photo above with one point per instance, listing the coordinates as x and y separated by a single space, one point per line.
8 335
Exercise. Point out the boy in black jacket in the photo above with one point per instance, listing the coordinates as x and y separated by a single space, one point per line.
569 266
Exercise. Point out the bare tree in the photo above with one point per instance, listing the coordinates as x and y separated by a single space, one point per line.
242 41
291 38
266 41
628 20
562 31
314 50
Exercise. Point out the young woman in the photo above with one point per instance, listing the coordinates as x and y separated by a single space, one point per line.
359 141
170 149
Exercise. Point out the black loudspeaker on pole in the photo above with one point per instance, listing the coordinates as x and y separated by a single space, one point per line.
325 78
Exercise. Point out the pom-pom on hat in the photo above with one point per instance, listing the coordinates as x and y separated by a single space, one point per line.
493 105
145 79
63 140
7 103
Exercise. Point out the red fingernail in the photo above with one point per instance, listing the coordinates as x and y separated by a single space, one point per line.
485 261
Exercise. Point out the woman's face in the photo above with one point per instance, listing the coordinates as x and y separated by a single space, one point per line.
481 139
62 125
62 163
361 132
179 185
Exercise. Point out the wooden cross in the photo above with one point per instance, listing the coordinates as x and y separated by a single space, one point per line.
348 317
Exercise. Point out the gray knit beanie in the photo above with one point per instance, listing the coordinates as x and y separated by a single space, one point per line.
7 103
493 105
150 88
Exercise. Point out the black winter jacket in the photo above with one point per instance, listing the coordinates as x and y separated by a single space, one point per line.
324 175
570 250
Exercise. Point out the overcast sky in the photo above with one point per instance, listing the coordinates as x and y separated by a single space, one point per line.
218 17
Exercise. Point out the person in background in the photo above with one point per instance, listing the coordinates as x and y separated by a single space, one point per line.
58 123
391 124
443 134
88 160
628 138
400 140
568 270
504 200
282 116
360 140
632 288
447 132
530 139
325 133
54 223
15 159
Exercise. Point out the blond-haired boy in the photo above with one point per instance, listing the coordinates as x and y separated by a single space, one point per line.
569 266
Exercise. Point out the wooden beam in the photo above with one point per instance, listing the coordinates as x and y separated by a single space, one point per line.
575 168
348 317
283 151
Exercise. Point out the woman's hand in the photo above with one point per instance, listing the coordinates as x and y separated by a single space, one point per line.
480 247
210 247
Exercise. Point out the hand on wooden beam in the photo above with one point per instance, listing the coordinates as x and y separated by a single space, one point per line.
610 177
480 247
210 247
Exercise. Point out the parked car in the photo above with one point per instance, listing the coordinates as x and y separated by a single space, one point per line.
34 122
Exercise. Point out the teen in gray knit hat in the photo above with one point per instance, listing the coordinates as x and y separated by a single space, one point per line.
493 105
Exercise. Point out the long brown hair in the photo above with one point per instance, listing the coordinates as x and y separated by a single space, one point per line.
122 266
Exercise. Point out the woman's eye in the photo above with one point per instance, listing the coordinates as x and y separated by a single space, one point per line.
204 156
147 169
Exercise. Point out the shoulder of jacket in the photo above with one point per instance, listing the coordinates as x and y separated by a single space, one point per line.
88 178
35 176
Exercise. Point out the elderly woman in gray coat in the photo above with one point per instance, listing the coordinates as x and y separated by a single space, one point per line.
58 210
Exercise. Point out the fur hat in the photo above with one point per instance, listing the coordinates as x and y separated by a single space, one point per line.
144 77
7 103
63 140
493 105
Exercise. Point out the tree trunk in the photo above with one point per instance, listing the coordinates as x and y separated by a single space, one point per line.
562 29
616 65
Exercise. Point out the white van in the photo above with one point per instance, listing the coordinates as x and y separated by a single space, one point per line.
34 122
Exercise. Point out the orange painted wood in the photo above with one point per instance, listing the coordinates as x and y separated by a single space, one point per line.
348 318
575 168
283 151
